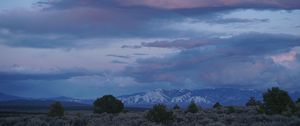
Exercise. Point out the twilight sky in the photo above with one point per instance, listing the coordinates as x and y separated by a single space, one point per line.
87 48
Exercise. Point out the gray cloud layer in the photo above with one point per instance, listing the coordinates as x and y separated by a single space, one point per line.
63 23
248 60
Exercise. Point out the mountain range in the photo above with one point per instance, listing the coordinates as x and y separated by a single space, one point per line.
182 97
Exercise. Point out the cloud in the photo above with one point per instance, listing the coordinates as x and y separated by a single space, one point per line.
118 56
17 73
118 62
234 20
67 23
55 28
207 4
140 54
131 46
246 60
246 43
180 44
174 4
287 59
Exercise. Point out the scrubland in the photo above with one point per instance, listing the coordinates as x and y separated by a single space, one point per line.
240 116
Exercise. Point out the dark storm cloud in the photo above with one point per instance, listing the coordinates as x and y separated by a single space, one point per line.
244 61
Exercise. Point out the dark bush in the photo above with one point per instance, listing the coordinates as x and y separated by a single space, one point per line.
217 105
56 109
277 101
109 104
160 114
192 108
253 102
231 109
298 100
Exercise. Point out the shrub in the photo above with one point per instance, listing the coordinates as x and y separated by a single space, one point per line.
159 114
277 101
176 107
217 105
261 109
56 109
109 104
192 108
253 102
231 109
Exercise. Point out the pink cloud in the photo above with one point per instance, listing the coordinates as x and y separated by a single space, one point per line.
285 57
288 60
186 4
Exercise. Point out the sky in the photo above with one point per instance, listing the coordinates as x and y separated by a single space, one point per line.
88 48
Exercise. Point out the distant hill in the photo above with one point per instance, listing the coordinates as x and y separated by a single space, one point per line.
36 103
5 97
9 102
203 97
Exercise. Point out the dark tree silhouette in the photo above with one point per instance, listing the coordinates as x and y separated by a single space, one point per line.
159 114
56 109
217 105
109 104
193 108
277 101
298 100
176 107
253 102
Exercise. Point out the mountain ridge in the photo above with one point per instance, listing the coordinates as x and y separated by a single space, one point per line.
204 97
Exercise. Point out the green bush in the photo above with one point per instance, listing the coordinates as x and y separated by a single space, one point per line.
277 101
192 108
159 114
231 109
56 109
109 104
217 106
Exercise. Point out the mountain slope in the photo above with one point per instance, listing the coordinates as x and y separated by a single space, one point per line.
204 97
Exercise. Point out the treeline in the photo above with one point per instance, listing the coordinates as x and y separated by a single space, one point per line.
275 101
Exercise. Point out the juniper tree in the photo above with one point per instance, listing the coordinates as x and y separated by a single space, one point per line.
159 114
217 105
56 109
276 101
192 108
109 104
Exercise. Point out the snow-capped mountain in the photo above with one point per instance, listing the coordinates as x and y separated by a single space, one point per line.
204 97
